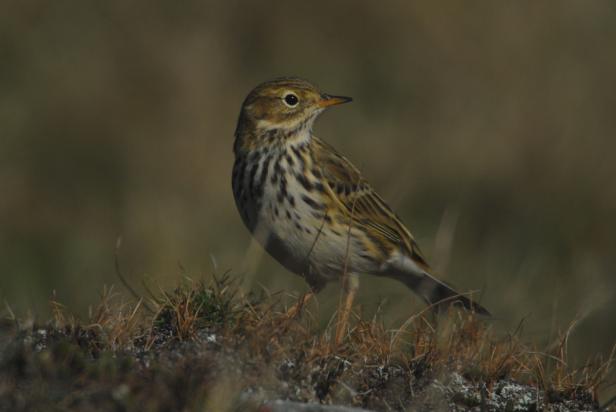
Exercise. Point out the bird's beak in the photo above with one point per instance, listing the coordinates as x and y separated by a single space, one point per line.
327 100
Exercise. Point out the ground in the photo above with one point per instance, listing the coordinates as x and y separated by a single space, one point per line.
205 346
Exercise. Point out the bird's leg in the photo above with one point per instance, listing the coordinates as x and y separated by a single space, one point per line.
294 310
316 284
350 286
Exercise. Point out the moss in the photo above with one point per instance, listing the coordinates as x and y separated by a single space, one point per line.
206 348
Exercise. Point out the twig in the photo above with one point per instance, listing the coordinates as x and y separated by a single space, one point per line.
123 279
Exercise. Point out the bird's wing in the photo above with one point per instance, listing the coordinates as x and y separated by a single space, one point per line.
357 199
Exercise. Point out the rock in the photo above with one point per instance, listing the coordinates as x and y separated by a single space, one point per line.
290 406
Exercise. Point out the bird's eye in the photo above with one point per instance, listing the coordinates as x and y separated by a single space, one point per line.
290 100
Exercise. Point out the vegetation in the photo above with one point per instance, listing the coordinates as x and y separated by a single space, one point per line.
206 346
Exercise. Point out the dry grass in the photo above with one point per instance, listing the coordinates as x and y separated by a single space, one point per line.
209 340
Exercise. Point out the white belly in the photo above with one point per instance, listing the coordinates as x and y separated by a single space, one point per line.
308 241
288 220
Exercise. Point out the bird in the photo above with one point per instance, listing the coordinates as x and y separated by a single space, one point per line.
311 208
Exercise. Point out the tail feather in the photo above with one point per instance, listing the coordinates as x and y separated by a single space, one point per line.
438 293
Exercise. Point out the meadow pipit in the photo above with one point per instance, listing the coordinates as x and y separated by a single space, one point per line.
311 209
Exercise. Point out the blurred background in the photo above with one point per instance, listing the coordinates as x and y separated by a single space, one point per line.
488 126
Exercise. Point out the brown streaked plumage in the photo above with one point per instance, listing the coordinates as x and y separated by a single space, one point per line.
310 207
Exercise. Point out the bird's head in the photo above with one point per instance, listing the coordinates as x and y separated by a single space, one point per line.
283 107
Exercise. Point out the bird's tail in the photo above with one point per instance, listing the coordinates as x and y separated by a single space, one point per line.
437 293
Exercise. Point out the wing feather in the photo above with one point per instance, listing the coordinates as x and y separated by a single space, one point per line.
358 200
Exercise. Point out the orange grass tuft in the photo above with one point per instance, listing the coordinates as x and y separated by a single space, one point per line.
252 343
